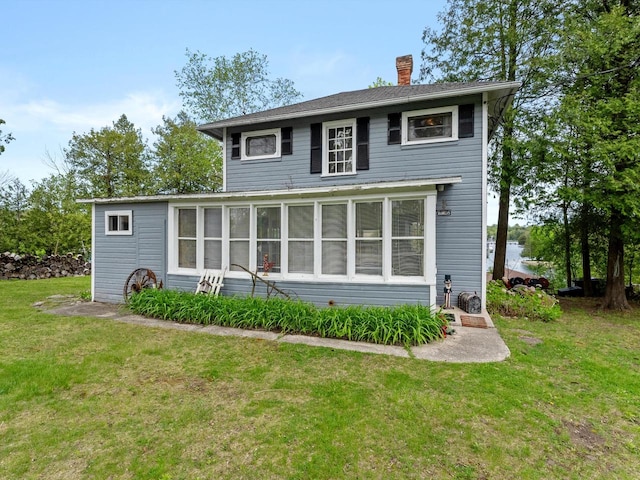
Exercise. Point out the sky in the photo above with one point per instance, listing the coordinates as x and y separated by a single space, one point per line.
69 66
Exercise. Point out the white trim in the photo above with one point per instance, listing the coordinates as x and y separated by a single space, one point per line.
224 159
347 122
428 199
118 213
452 109
485 156
379 188
93 253
244 136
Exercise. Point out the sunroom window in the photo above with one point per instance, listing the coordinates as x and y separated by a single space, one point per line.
187 228
407 237
334 239
213 238
239 237
369 238
300 223
433 125
268 239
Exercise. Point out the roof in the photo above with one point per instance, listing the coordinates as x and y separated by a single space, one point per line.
379 187
500 94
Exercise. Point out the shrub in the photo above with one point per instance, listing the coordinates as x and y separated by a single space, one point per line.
398 325
521 302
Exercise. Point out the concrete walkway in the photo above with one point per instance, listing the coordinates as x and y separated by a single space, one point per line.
466 345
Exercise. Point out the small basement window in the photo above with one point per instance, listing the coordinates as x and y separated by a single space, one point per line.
432 125
118 223
260 144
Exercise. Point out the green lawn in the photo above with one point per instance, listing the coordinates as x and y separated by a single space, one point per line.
92 398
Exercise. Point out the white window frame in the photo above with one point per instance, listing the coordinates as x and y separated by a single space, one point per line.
349 122
387 277
453 109
244 136
118 213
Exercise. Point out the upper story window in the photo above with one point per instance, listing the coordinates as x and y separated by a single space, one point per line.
340 153
428 126
260 144
118 223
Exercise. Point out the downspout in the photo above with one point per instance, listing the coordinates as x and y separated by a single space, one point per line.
224 159
485 155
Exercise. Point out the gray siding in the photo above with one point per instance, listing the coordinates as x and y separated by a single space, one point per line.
116 256
459 236
320 293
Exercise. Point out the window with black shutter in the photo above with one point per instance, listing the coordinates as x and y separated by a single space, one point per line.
287 141
465 121
235 146
394 128
316 148
362 138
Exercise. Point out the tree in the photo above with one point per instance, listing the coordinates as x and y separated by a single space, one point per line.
380 82
6 138
217 88
602 68
506 40
14 203
111 162
185 160
57 223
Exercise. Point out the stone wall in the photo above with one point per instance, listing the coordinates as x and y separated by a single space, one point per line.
31 267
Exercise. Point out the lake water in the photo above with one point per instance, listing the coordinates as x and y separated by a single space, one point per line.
513 259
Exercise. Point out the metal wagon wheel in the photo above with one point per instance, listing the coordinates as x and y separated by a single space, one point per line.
138 279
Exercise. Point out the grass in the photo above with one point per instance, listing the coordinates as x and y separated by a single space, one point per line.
92 398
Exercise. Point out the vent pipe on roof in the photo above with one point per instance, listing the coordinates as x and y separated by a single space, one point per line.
404 65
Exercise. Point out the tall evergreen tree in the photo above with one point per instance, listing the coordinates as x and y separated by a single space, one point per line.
505 40
111 162
601 100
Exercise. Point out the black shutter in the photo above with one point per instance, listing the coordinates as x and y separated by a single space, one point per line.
235 146
362 141
465 121
393 129
286 135
316 148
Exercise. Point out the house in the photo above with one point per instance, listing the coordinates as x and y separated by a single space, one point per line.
363 197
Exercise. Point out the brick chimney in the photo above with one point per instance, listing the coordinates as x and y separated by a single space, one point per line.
404 65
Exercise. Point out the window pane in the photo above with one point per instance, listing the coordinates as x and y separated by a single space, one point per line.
213 222
334 258
430 126
369 220
301 221
334 221
113 223
187 222
268 252
239 222
407 257
268 219
369 257
239 253
213 254
261 145
187 253
124 223
301 257
408 218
